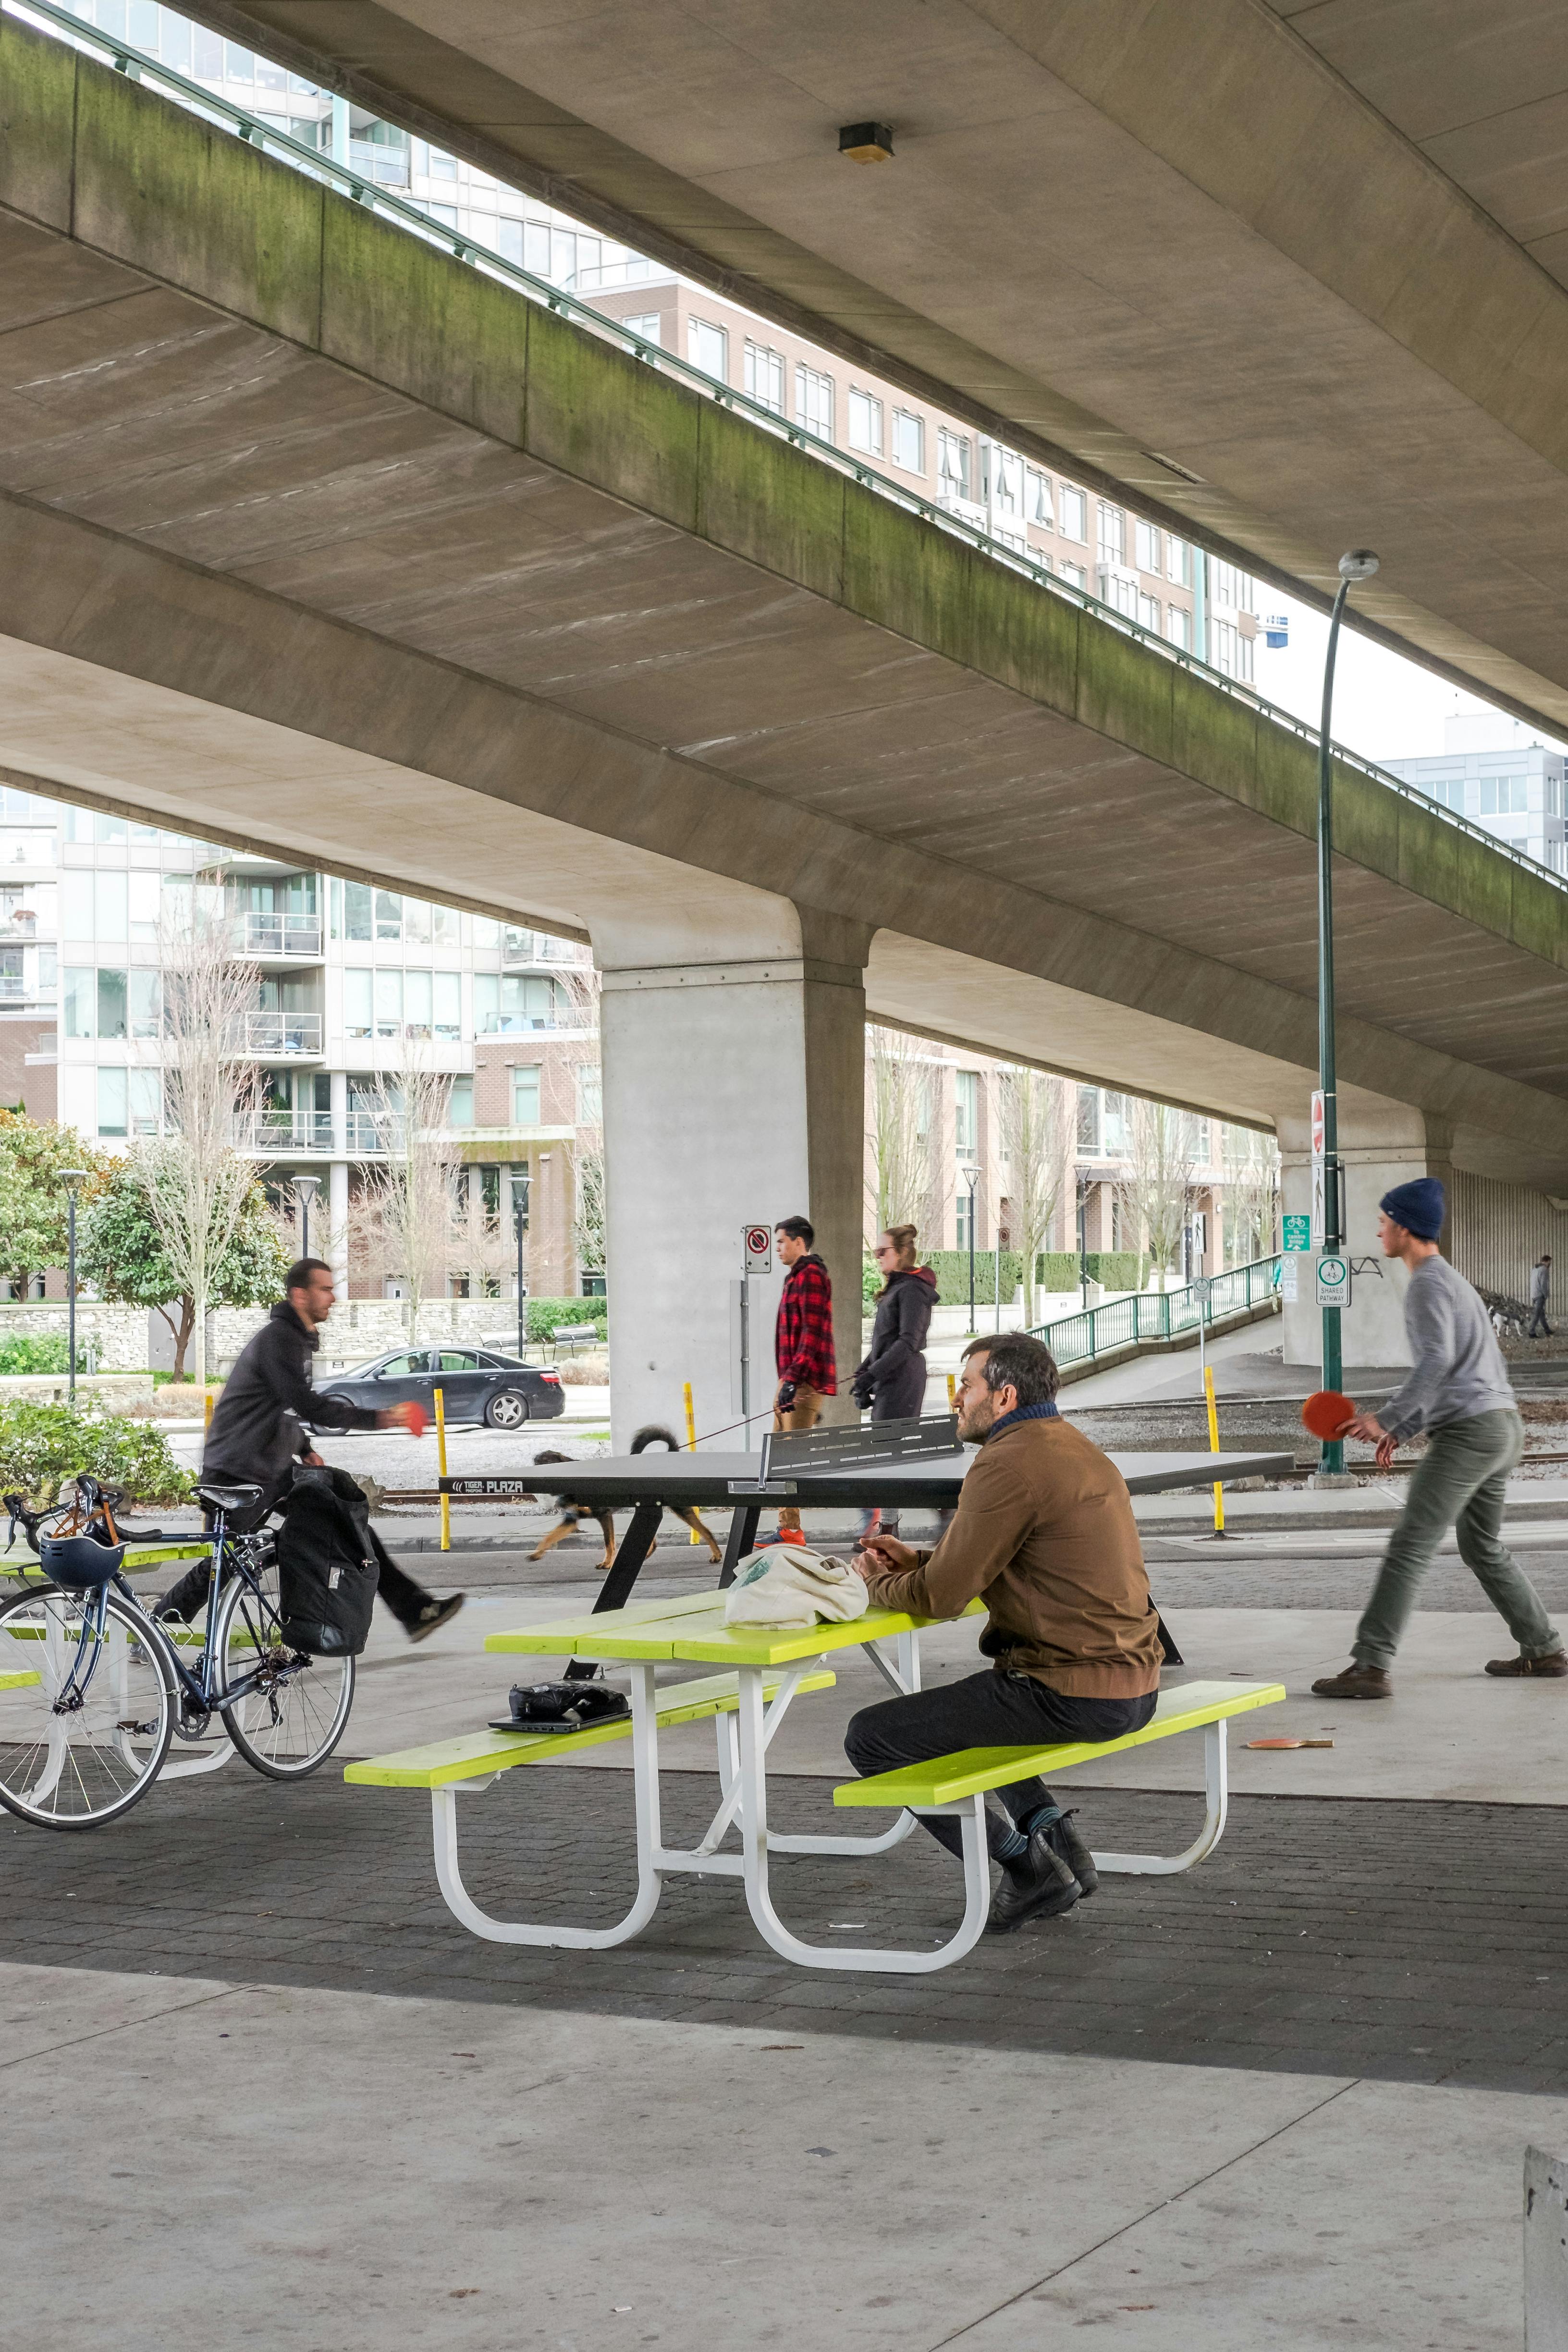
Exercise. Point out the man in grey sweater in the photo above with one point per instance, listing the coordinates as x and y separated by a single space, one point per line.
1540 1297
1458 1392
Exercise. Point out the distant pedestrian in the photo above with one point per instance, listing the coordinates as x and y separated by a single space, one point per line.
1540 1292
891 1377
802 1338
1459 1392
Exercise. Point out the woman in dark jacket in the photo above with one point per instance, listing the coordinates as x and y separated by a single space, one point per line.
891 1379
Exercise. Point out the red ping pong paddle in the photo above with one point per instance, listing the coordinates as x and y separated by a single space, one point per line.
1327 1413
413 1417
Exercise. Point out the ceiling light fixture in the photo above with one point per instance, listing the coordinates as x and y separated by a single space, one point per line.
867 142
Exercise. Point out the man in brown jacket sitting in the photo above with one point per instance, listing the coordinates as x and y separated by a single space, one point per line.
1044 1531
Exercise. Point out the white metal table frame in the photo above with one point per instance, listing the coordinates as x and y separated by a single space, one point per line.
744 1737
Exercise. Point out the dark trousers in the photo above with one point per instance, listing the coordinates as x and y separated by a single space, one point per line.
402 1595
985 1710
1538 1315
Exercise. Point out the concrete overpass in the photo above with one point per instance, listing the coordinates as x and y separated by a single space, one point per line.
318 540
1289 274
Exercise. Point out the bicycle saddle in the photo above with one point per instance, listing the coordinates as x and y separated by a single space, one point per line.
229 1498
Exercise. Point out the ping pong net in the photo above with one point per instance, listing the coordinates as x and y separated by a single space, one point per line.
801 1451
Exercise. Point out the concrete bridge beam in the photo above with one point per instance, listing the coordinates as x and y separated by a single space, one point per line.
734 1094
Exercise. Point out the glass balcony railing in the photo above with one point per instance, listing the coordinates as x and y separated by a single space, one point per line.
280 1037
285 1130
366 1130
278 935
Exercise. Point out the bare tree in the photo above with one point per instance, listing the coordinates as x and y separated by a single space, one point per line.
407 1199
1032 1135
1154 1192
904 1186
581 1060
1251 1163
195 1181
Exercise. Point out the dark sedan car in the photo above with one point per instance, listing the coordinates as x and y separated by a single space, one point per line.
476 1384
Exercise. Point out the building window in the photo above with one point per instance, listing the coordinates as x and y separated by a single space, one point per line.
1074 513
1119 591
1008 481
505 1003
111 1102
111 1010
389 1005
1179 626
1553 795
966 1113
416 1004
388 915
1224 648
1037 499
1112 533
358 899
590 1095
442 167
1504 796
1074 575
646 324
460 1103
145 1003
1178 561
489 1194
864 422
525 1095
963 1209
707 348
909 441
1147 543
765 375
1088 1119
1149 612
358 1017
1448 794
448 1009
813 401
80 1009
952 462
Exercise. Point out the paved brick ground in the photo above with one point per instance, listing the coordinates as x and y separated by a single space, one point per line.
1416 1942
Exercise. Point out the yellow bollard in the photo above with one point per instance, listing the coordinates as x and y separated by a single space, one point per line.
1213 1448
441 1462
690 1442
951 1389
208 1402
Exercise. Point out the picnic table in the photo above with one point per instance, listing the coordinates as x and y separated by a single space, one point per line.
768 1668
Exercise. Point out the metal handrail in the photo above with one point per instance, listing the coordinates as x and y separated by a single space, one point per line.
1153 1315
362 189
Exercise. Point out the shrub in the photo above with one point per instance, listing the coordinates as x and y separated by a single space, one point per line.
39 1352
543 1314
42 1446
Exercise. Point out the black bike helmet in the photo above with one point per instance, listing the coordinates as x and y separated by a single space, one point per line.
80 1563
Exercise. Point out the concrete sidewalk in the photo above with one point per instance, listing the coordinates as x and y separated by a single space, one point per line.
339 2170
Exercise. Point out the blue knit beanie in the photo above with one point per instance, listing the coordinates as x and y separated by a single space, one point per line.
1418 1206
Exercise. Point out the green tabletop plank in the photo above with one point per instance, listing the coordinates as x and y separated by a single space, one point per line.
695 1629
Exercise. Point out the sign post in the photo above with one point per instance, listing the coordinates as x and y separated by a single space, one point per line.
758 1244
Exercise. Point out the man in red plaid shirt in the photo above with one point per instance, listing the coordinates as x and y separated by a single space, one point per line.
803 1339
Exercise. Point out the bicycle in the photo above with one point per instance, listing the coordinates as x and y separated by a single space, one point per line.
97 1690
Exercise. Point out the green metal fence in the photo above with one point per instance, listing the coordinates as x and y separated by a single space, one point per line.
1158 1314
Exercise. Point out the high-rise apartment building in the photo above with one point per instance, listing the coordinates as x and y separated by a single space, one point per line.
1496 771
353 989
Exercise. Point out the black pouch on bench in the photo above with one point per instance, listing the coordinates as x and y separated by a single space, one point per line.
327 1567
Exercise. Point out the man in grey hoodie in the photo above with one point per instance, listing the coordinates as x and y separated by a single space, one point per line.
1458 1392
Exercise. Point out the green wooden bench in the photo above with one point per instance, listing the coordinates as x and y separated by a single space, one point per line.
471 1761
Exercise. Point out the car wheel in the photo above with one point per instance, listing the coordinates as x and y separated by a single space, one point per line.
507 1410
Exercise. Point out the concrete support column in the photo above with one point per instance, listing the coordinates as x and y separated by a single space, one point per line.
734 1094
1382 1144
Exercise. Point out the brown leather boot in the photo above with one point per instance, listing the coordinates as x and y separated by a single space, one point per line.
1555 1664
1356 1682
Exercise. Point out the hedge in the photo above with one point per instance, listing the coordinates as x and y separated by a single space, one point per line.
543 1314
42 1445
1054 1270
41 1351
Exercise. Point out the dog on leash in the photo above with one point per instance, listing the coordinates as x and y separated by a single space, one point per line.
574 1511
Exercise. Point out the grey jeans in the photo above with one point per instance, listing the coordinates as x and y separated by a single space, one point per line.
1461 1479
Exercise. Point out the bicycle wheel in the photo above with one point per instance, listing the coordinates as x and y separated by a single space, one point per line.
295 1715
70 1767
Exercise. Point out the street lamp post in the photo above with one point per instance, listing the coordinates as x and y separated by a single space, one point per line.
972 1178
519 1226
1359 564
71 1178
305 1191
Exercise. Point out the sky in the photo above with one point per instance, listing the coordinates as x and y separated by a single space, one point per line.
1385 707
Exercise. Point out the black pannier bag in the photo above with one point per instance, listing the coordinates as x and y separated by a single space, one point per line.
327 1565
